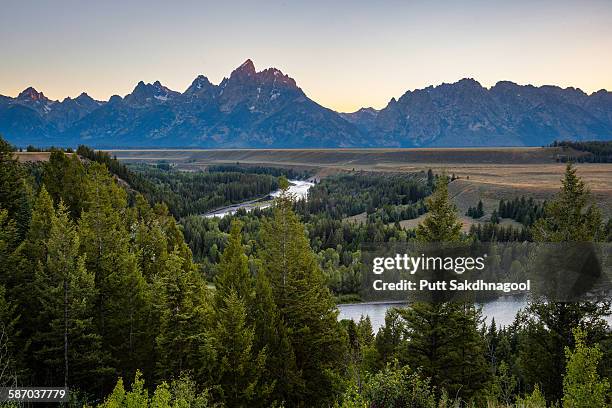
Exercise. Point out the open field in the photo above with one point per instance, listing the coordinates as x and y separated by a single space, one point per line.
360 159
488 174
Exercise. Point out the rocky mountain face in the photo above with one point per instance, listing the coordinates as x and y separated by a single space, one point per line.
268 109
467 114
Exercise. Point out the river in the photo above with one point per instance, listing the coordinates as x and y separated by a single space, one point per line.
503 310
299 188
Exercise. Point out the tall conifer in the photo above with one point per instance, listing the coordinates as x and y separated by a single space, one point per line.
569 217
123 305
304 302
67 346
442 336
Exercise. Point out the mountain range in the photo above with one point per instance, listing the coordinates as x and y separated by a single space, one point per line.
267 109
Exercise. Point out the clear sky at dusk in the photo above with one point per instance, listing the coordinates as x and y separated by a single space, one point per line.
343 54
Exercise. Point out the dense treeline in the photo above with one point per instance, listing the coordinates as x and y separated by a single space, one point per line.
525 211
336 242
351 194
85 276
554 354
476 212
94 287
291 174
597 151
112 164
489 231
524 364
187 193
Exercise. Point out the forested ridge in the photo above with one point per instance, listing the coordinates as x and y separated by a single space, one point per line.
193 192
596 151
385 200
99 291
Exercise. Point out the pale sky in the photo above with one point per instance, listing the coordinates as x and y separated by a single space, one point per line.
343 54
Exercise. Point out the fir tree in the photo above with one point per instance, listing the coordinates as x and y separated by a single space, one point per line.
40 227
442 336
238 368
430 178
441 223
9 360
67 346
280 374
30 258
149 240
234 295
304 302
122 305
64 178
181 303
570 217
234 271
494 217
9 239
15 191
548 323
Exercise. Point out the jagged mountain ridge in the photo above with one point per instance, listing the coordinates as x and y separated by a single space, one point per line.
507 114
268 109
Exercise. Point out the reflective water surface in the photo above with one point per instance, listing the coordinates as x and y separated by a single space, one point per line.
503 310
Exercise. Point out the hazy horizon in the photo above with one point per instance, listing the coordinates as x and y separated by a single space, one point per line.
345 55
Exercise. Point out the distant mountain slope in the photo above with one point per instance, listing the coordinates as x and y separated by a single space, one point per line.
467 114
268 109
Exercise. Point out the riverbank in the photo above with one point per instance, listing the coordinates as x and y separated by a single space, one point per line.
299 188
503 310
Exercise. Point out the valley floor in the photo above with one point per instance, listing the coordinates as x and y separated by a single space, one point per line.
489 174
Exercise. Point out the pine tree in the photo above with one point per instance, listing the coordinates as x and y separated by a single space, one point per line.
15 191
280 374
9 239
304 302
548 323
150 240
390 337
33 250
29 258
479 210
40 226
64 178
494 217
570 217
181 303
441 223
123 301
234 300
9 360
234 271
67 346
238 368
442 336
430 178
